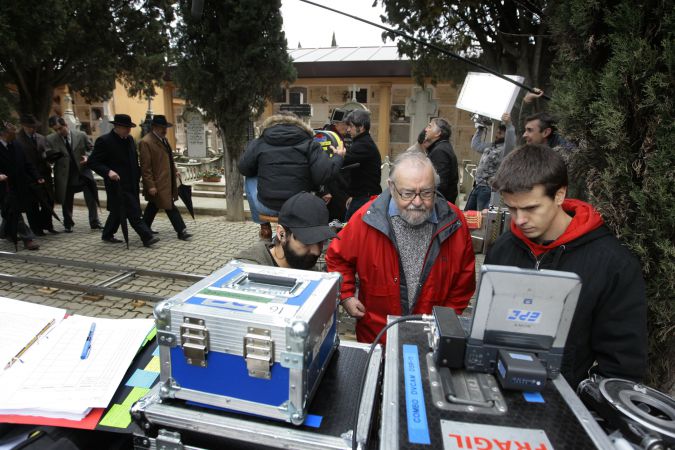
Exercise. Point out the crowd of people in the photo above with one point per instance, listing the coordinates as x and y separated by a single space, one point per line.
402 250
36 172
408 248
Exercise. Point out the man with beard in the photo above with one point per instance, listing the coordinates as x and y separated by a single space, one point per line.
410 248
301 232
442 155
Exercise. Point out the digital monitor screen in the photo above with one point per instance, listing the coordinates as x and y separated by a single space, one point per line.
524 308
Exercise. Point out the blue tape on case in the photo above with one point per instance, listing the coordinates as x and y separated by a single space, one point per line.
533 397
418 429
313 421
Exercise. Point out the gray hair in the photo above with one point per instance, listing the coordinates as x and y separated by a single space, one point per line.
415 158
444 126
359 118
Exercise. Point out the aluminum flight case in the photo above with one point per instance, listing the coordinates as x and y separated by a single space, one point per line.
174 424
415 414
248 338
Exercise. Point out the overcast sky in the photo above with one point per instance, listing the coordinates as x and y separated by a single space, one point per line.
313 26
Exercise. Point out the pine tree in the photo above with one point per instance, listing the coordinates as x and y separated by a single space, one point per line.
231 61
613 81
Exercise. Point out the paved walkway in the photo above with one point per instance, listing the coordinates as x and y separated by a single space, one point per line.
215 242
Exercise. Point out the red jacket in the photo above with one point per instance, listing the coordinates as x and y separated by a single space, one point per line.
366 248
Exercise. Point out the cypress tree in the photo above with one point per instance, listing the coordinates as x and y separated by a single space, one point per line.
230 61
613 81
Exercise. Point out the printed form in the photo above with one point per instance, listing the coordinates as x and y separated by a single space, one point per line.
55 378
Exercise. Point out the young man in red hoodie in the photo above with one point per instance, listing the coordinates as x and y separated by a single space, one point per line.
609 330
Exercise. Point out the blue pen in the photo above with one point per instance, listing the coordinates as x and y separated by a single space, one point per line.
87 344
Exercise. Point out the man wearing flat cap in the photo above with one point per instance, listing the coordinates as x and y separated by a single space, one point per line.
301 233
115 159
36 148
159 177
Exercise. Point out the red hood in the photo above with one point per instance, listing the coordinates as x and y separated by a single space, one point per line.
584 220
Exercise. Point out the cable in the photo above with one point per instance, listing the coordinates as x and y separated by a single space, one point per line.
364 375
430 45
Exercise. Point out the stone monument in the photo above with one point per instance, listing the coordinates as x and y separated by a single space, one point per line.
195 134
420 107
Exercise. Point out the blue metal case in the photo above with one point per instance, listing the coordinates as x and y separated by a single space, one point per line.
248 338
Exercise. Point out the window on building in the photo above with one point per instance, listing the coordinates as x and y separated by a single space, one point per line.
399 125
361 95
281 96
297 95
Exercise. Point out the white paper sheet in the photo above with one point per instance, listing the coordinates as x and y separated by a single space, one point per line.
20 322
54 378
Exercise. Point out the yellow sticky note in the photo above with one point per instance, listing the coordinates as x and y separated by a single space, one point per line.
117 417
153 365
134 395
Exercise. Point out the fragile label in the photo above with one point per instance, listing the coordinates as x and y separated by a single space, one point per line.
472 436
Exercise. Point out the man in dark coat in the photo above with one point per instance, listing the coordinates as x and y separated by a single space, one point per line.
15 175
335 190
443 157
115 159
608 334
36 147
159 176
364 180
71 173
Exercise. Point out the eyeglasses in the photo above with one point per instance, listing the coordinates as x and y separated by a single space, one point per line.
408 196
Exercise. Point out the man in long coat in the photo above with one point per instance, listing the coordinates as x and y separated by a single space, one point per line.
15 195
115 159
71 173
159 177
35 148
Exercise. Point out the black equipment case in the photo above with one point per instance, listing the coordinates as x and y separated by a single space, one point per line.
415 416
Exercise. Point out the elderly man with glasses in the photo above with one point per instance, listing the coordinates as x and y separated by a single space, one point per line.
409 247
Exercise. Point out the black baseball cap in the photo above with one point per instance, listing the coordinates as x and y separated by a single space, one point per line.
306 215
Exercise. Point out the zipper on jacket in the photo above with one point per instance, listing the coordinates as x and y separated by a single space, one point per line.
537 261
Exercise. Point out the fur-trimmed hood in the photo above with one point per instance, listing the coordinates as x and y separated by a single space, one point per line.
284 119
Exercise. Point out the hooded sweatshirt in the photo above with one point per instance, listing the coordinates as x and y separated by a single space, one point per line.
584 220
608 334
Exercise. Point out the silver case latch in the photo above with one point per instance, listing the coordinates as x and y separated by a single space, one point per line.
194 339
169 440
259 352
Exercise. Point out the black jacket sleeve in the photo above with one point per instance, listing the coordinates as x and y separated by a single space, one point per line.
248 162
322 167
98 159
445 162
619 332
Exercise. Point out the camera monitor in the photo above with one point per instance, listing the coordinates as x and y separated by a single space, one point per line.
522 309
